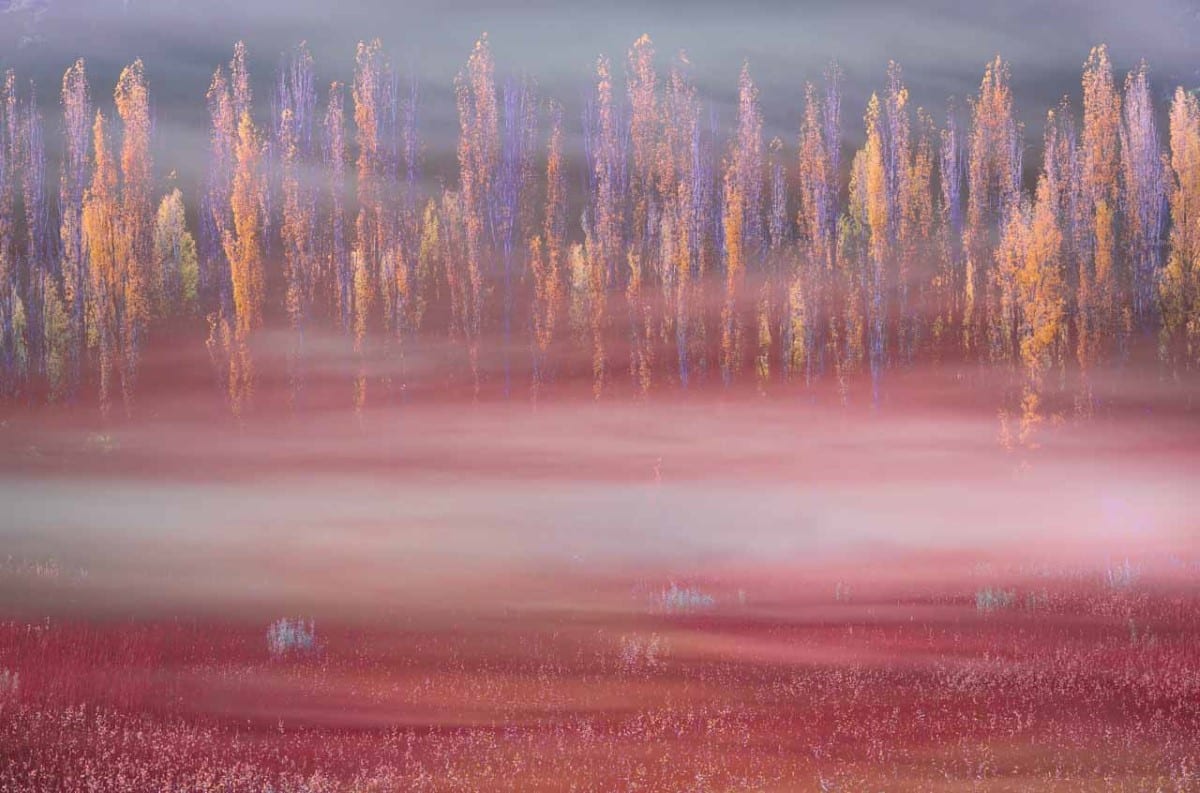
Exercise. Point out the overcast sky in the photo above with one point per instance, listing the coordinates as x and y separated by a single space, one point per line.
942 46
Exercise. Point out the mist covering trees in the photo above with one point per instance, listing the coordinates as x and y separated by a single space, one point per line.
699 255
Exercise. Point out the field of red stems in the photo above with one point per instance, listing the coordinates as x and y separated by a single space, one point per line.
858 589
623 450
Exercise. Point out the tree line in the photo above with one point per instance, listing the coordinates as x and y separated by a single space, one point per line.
696 256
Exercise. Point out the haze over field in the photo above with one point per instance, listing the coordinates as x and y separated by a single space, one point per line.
685 593
681 396
433 505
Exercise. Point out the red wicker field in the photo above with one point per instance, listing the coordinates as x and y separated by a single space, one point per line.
807 685
718 592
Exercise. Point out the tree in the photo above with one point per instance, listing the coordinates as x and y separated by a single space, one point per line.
747 162
741 220
1180 288
510 202
878 211
105 256
336 258
679 227
175 259
645 138
11 308
1032 295
215 288
1144 188
812 288
854 265
546 254
948 283
243 248
916 235
1041 286
77 118
117 232
608 178
38 281
478 163
735 276
587 310
993 186
141 282
1097 296
236 218
298 231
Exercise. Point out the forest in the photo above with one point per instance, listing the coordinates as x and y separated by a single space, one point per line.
676 254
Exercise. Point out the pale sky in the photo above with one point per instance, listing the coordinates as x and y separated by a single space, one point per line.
941 44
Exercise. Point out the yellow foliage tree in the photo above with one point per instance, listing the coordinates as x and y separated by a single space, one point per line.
243 248
102 239
1180 287
175 258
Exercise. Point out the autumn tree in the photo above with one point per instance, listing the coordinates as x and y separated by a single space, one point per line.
855 273
587 310
1180 287
1040 285
29 288
648 172
175 259
11 310
370 226
450 227
1096 281
678 227
1032 295
478 165
294 143
741 219
916 236
73 182
141 282
44 336
241 228
1144 188
993 185
546 253
117 230
949 279
216 290
747 162
879 242
645 144
897 155
335 256
814 287
608 177
735 276
604 223
510 203
102 236
780 236
430 266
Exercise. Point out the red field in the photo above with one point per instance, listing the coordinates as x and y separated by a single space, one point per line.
1071 686
711 592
